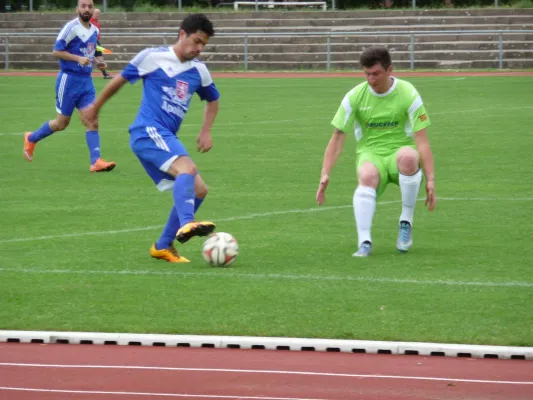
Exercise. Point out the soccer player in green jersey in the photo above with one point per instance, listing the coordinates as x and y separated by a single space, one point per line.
389 120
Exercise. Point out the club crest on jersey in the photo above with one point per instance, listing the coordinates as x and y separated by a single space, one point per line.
90 49
182 90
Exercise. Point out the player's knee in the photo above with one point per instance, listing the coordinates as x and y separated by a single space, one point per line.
59 125
201 190
189 169
183 165
368 175
407 160
92 126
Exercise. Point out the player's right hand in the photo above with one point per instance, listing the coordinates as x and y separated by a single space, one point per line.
85 61
321 192
204 142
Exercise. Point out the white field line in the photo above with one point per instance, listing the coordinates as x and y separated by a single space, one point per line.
282 121
244 217
227 274
263 276
125 129
181 395
259 371
149 228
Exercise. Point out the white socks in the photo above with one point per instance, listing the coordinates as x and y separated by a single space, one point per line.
364 205
409 186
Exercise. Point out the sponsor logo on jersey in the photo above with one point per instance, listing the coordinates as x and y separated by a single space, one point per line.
88 51
382 125
173 109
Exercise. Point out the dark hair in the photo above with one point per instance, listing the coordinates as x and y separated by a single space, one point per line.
374 55
193 23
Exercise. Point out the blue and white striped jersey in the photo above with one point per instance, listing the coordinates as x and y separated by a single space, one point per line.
78 40
168 87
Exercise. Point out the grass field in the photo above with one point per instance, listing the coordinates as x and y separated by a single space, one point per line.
74 246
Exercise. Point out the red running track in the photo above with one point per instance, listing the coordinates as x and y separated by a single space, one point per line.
106 372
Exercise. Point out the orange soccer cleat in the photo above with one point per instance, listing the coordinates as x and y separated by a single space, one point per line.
171 255
29 147
192 229
102 165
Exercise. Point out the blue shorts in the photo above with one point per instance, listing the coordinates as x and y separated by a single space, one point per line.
157 148
73 91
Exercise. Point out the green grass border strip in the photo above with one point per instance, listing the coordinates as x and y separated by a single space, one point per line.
270 343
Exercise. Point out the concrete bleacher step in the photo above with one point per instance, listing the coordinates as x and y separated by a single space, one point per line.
398 55
240 30
218 16
267 50
318 47
116 42
222 25
155 40
354 56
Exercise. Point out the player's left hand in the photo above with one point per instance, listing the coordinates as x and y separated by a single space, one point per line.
102 65
431 199
204 141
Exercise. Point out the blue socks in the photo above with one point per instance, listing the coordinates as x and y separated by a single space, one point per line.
93 143
183 193
41 133
197 203
93 139
173 223
172 226
169 233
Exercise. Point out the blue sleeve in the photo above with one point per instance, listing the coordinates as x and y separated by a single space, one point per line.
60 45
131 73
208 93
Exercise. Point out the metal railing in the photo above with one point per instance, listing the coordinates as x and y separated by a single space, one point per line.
271 4
328 35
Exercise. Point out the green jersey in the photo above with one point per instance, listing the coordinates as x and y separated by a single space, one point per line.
382 123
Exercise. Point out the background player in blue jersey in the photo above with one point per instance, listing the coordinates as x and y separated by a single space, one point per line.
171 75
75 47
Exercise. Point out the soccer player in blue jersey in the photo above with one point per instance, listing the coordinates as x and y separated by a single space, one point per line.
75 47
171 75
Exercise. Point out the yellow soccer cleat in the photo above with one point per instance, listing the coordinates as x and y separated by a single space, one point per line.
192 229
171 255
